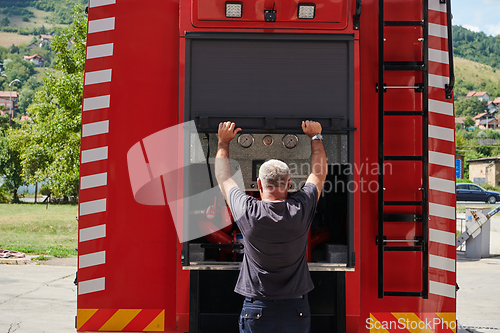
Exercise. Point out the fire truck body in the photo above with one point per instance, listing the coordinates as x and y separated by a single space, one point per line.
161 75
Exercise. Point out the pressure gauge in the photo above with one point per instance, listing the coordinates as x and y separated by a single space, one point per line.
245 140
267 140
290 141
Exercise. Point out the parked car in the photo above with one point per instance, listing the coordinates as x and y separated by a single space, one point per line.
473 192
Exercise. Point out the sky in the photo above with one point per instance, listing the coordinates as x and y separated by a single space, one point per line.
477 15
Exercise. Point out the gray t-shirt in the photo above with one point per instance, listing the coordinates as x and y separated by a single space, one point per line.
275 237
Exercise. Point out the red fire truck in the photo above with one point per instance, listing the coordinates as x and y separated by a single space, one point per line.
157 247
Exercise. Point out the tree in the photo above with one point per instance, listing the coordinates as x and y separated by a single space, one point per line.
25 99
469 122
10 165
17 68
4 22
13 49
49 145
470 107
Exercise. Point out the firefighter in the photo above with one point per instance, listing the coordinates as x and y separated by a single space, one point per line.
274 276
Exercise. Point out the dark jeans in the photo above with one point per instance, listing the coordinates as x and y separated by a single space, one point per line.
283 316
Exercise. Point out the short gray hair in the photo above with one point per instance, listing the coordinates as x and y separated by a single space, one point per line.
274 173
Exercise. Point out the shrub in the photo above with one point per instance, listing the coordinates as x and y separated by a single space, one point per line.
4 194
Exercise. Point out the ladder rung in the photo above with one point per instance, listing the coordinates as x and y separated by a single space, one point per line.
403 203
404 65
403 293
403 217
403 113
403 248
404 23
403 158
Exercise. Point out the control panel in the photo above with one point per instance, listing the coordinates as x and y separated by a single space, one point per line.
251 150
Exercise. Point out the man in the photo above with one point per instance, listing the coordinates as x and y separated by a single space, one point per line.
274 276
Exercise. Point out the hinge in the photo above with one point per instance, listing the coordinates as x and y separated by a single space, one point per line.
356 16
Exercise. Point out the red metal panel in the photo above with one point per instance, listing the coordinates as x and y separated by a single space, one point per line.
330 14
402 44
329 11
140 241
137 280
353 297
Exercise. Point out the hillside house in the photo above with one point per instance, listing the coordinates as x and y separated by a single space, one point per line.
5 99
486 120
460 120
36 59
492 107
485 170
45 39
481 95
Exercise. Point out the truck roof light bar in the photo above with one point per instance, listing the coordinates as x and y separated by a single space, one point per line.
306 11
234 9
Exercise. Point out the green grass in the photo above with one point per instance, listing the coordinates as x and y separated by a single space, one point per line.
475 72
9 38
35 230
41 72
41 18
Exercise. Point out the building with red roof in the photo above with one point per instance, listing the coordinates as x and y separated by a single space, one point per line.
36 59
482 95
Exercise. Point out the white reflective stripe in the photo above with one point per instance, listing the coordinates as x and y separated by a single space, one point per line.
92 259
441 107
95 103
446 264
442 289
99 51
91 286
438 81
443 237
100 127
437 6
447 212
92 155
442 185
439 56
98 77
92 207
442 159
101 25
437 30
92 233
97 3
442 133
92 181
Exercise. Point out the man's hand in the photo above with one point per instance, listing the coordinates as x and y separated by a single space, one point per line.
318 155
311 128
227 132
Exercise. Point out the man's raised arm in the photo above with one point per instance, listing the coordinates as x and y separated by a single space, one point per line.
227 132
318 155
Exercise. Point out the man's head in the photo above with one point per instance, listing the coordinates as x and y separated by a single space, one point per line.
274 177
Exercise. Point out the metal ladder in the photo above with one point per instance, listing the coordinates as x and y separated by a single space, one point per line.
422 88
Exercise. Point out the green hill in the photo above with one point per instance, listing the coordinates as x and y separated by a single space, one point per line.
476 46
474 76
57 11
33 17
